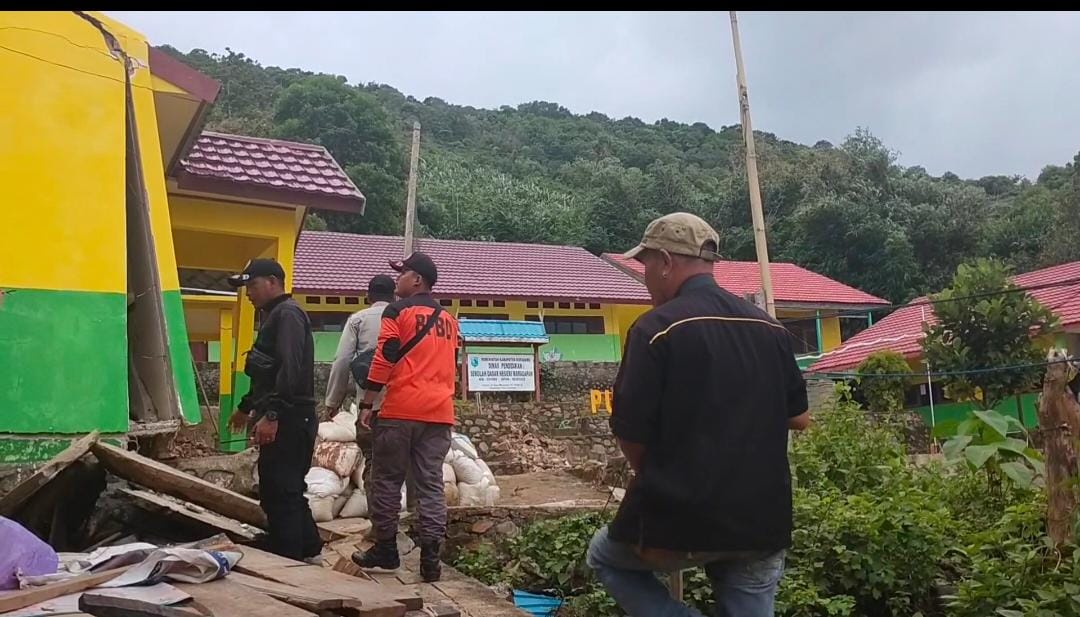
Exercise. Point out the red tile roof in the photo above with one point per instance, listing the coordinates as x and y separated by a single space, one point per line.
902 331
268 169
340 263
792 284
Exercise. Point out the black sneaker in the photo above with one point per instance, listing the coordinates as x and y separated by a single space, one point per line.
430 564
383 555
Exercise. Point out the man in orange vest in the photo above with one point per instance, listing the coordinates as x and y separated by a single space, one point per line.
416 362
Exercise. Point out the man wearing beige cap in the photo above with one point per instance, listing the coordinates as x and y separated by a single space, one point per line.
705 396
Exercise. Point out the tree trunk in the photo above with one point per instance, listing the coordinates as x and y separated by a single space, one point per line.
1059 424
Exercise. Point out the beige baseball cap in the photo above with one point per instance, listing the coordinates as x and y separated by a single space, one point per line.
679 233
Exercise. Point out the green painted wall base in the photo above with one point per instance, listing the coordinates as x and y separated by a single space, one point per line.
959 411
63 362
18 450
180 355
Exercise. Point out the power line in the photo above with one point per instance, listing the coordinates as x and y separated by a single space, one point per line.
824 375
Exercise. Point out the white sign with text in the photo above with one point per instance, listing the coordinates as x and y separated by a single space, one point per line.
497 372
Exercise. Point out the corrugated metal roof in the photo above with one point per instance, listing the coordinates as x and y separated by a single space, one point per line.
341 263
503 331
902 331
269 163
791 283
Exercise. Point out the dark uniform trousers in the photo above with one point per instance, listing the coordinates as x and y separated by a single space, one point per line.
282 467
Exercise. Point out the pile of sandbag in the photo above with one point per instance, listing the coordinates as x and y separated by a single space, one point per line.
335 482
467 480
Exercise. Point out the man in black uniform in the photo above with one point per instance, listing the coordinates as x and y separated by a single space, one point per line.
281 403
706 393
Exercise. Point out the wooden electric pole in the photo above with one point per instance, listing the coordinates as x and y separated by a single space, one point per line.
410 199
758 216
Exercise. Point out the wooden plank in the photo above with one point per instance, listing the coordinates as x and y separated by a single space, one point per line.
255 561
23 491
309 599
225 598
153 502
111 606
162 478
299 574
29 597
341 528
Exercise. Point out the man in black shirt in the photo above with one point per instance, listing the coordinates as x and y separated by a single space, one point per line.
281 402
703 402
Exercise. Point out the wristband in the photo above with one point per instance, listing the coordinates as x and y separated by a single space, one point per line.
363 405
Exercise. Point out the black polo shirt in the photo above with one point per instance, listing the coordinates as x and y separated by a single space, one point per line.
707 384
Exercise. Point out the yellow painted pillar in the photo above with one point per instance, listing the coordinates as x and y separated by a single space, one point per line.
243 337
225 376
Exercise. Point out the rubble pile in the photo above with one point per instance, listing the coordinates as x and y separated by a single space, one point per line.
525 449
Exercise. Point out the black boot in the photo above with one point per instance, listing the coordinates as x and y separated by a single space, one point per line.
430 565
383 555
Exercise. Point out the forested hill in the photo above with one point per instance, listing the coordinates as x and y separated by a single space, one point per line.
538 173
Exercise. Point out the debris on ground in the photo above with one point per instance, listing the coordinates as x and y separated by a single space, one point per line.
155 541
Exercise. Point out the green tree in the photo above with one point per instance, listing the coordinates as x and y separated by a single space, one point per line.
360 134
985 322
989 342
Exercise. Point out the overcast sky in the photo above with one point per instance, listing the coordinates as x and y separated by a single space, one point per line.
971 93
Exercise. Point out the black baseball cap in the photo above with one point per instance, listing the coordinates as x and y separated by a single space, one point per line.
257 268
381 285
419 263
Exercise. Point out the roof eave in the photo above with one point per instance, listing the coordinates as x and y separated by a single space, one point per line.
242 190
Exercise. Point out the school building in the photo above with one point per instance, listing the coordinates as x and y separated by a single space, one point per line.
903 331
819 312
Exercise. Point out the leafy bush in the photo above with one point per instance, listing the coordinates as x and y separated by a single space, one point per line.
1012 570
880 383
875 536
983 442
844 451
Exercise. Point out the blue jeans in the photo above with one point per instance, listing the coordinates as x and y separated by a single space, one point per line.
743 585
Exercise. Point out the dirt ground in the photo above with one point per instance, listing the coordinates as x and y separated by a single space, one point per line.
541 487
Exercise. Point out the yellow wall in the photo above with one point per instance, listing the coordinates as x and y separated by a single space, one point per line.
220 235
617 317
61 155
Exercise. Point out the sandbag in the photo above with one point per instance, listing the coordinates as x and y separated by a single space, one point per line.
322 508
462 444
486 470
23 553
341 428
355 506
474 495
450 492
358 473
339 504
467 471
323 482
448 475
337 456
451 454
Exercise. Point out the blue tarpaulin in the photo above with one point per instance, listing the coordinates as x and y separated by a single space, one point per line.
536 604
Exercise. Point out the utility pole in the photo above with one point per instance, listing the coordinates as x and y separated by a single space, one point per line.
758 216
410 200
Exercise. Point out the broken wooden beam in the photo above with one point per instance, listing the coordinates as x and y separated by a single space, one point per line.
24 490
111 606
34 595
235 530
164 479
